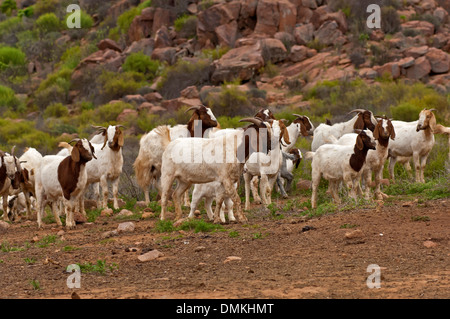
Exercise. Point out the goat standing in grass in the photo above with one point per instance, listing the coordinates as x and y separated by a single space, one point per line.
414 139
337 163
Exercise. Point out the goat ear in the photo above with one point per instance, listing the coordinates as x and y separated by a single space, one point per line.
376 132
359 143
121 138
303 130
106 141
391 130
25 175
75 154
359 124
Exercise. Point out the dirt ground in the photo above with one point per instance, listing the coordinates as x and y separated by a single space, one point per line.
290 257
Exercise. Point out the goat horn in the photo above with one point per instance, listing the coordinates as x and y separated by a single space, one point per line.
74 140
297 115
192 108
357 110
120 126
12 150
253 120
432 110
99 128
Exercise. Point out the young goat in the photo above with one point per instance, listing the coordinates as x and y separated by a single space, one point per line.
266 166
362 121
147 165
375 159
414 139
8 171
290 159
63 177
338 163
219 159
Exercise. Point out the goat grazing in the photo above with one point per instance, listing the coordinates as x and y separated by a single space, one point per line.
147 165
204 160
414 139
362 121
337 163
290 159
63 177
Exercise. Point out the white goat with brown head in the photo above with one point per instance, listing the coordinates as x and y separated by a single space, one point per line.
414 139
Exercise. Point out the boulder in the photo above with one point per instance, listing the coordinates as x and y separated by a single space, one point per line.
161 17
288 16
273 50
368 73
304 34
328 33
420 69
227 34
406 62
242 62
190 92
300 52
125 114
268 17
439 60
145 46
416 52
391 68
424 27
134 99
141 26
108 44
167 54
162 38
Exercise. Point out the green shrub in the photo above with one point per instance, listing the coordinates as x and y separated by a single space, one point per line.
45 6
214 54
86 20
183 74
115 85
55 110
7 97
54 88
229 102
26 12
71 57
186 25
390 20
9 25
139 62
125 19
48 22
11 56
8 6
109 112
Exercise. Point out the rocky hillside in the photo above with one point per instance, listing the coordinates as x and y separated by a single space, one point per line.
141 63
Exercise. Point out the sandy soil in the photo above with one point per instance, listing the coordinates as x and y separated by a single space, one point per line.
290 257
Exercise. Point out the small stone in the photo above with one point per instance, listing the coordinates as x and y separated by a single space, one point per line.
107 212
131 249
3 227
60 233
151 255
232 258
354 234
126 227
429 244
125 212
199 248
146 215
35 239
110 234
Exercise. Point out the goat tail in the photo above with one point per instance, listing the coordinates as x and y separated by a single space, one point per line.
164 132
65 145
309 155
143 169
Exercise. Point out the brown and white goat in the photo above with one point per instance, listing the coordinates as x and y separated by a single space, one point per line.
362 121
414 139
8 171
221 158
336 163
63 177
147 165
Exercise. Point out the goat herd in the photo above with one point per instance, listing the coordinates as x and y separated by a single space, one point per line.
212 159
